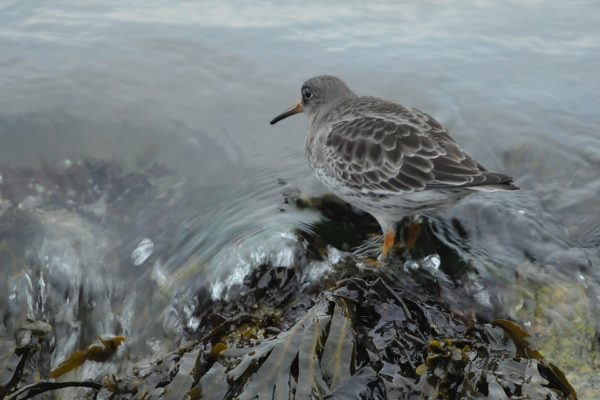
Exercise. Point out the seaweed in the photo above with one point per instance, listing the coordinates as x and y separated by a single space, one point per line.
366 334
399 331
98 352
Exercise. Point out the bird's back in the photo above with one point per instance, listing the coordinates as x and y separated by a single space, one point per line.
370 147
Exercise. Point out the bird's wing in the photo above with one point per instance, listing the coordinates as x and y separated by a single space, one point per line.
385 156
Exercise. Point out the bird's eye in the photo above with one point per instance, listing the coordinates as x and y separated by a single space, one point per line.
307 94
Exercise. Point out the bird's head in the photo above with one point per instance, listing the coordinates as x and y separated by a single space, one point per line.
318 95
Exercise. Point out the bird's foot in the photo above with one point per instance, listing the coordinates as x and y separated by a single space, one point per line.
373 262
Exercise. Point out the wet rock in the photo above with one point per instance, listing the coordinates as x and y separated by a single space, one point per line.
362 336
366 334
30 333
419 327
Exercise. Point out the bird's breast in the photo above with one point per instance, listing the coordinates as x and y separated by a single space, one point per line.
314 149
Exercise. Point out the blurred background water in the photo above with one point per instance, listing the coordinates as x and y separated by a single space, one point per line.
191 86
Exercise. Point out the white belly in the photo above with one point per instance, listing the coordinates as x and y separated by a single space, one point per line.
396 205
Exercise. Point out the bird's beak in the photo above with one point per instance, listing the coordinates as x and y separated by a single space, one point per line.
297 108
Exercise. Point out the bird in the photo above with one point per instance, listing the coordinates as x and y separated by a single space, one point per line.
389 160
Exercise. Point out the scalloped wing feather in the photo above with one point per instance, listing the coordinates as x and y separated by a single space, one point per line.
391 155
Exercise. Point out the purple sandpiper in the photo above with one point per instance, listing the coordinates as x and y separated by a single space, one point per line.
386 159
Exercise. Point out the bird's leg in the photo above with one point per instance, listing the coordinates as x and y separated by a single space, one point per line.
389 236
388 226
412 231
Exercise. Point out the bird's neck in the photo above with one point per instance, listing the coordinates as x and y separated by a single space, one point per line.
326 112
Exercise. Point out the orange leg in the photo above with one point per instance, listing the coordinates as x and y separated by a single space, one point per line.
413 234
388 241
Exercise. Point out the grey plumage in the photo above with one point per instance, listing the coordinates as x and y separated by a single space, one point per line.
386 147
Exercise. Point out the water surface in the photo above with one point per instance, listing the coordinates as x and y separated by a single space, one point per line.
192 87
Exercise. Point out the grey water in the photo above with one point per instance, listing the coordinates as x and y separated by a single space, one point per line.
192 86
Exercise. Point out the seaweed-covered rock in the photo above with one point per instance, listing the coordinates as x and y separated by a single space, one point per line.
358 334
419 327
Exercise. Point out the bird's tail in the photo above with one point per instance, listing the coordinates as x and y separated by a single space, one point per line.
495 187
